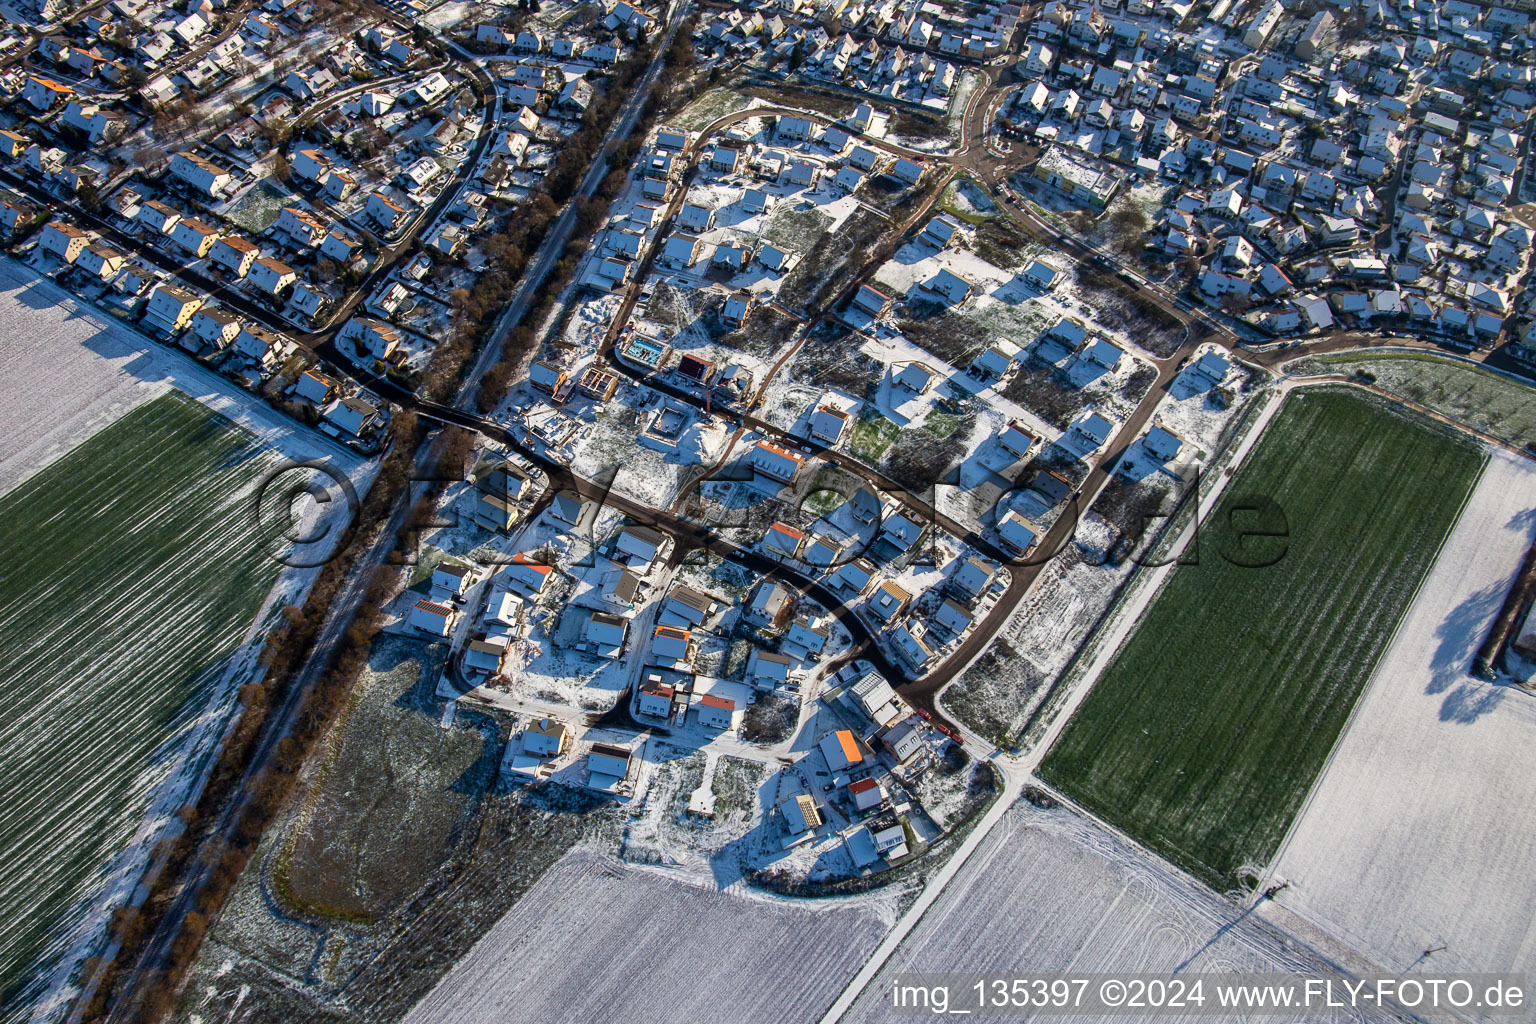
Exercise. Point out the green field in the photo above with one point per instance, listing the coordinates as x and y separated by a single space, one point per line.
132 573
941 424
1204 735
361 846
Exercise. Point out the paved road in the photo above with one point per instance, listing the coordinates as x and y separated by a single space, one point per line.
686 534
691 536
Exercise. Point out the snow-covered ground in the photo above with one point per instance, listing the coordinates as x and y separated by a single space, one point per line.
916 263
1051 891
643 473
1194 412
598 940
1419 833
998 692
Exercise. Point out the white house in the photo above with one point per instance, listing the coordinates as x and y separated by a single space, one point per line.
775 462
63 241
195 237
954 288
102 260
431 617
200 173
171 308
235 254
158 217
604 634
271 276
216 327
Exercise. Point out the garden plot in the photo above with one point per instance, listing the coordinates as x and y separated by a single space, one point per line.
258 207
1198 415
795 219
1099 302
826 267
830 357
1061 394
1419 833
891 352
641 473
135 574
549 667
727 582
689 321
687 953
798 226
583 330
955 789
660 830
1206 731
1002 243
696 808
1051 891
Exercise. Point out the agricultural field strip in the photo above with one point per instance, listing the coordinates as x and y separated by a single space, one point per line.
1170 737
134 573
1435 775
598 940
1486 400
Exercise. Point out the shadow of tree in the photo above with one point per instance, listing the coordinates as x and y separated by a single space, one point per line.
1469 701
1522 520
1458 637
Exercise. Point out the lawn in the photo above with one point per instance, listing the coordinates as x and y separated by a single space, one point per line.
872 435
1482 399
824 502
133 573
1206 732
941 424
964 199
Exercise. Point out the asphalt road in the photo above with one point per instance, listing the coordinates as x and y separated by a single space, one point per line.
688 535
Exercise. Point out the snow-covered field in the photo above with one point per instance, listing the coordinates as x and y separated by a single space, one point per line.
598 941
1051 891
1419 833
643 473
